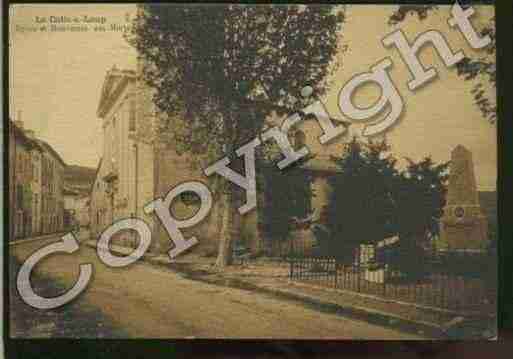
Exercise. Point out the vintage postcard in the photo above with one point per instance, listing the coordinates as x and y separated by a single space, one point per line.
252 171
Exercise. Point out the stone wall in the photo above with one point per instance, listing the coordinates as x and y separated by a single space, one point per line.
172 169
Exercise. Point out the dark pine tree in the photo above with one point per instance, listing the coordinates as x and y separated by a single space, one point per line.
372 199
361 209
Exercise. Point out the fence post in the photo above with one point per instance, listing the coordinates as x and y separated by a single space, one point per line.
336 273
300 265
385 271
442 291
358 269
291 258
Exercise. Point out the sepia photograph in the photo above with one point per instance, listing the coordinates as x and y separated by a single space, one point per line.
252 171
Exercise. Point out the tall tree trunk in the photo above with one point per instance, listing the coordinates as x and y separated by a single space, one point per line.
230 227
224 251
257 246
231 218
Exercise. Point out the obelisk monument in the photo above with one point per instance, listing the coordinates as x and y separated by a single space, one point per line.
464 227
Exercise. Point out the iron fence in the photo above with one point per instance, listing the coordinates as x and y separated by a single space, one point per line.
459 281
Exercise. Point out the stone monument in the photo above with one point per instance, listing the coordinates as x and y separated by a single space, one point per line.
463 227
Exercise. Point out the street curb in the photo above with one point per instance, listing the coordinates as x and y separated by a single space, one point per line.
34 239
371 316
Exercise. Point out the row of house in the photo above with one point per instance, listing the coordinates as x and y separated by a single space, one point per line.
77 185
36 185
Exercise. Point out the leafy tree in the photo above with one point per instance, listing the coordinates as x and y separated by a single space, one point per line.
402 11
287 195
419 199
360 209
218 71
420 196
482 71
372 199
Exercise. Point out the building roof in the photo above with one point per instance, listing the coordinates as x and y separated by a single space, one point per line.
70 191
50 149
114 83
20 134
315 163
79 179
79 174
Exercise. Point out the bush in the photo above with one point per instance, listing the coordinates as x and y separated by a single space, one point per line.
410 260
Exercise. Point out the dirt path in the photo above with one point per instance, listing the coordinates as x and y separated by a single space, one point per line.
145 301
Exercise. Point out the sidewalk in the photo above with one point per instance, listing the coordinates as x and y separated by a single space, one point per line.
80 236
37 238
271 278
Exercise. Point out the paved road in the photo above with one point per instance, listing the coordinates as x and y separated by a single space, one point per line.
146 301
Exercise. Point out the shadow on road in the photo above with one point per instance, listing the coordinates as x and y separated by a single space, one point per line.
73 320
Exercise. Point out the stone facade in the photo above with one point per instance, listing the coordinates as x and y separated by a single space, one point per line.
12 182
120 177
98 203
138 165
76 209
20 175
36 185
464 226
78 181
36 155
319 168
52 187
172 169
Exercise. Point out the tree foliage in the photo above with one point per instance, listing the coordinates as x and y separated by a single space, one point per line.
218 71
482 71
287 194
224 68
360 209
420 197
373 199
402 11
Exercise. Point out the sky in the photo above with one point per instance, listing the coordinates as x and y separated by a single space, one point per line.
56 78
441 114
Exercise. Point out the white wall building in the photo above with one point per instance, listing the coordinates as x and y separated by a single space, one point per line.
136 166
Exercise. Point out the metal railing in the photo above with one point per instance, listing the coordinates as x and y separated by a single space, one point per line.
458 281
